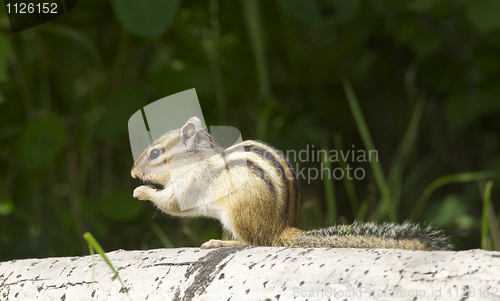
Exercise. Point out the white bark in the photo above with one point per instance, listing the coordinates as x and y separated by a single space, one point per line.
258 273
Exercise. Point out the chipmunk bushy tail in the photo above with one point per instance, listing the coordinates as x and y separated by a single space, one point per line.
368 235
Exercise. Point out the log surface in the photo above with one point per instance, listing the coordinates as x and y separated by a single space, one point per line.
258 273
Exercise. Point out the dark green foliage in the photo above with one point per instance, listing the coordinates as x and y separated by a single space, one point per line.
146 18
425 75
128 100
120 206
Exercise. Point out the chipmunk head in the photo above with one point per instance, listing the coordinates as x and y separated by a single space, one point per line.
176 149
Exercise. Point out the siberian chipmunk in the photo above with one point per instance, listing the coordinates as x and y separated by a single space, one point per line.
264 209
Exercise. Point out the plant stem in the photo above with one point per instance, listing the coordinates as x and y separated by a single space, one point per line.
386 207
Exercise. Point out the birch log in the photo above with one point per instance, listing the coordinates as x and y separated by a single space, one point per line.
258 273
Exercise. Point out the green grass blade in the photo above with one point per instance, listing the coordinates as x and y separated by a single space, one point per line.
399 164
253 20
349 184
162 236
385 205
363 209
251 13
414 178
455 178
485 217
494 228
331 203
93 260
211 42
96 246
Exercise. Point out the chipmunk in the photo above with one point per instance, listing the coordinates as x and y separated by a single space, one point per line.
264 209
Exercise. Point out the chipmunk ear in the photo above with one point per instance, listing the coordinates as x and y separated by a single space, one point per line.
196 122
188 131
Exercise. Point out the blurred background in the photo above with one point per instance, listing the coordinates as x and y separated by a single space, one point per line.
415 80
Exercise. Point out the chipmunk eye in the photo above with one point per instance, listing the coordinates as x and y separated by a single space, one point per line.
153 154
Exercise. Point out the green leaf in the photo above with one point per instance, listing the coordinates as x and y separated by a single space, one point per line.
42 141
483 15
120 105
146 18
119 206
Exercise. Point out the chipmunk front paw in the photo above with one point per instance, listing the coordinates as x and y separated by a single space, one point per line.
144 193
